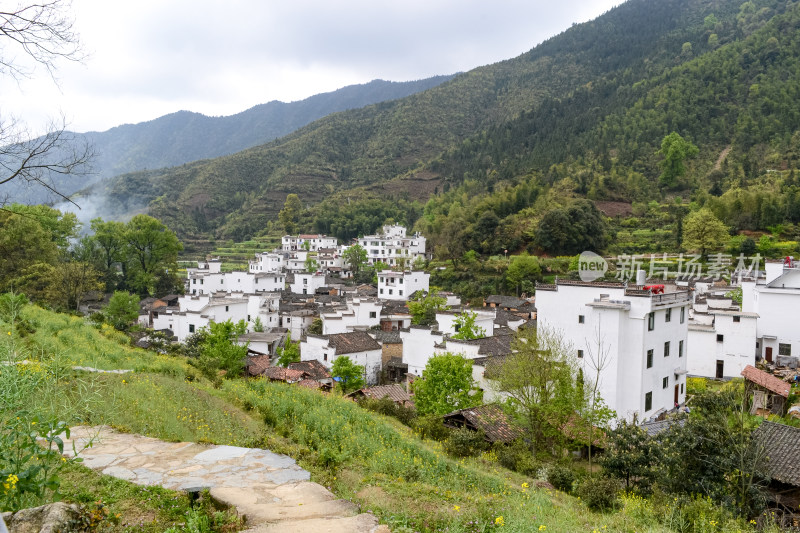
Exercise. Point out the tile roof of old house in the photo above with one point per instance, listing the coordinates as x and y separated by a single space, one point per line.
766 380
257 365
782 444
394 392
353 342
490 418
313 368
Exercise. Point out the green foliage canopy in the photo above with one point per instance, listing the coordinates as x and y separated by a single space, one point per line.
446 386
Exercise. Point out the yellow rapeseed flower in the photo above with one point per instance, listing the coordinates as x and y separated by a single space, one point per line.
499 521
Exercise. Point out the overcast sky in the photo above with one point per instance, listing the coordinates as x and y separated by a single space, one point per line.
153 57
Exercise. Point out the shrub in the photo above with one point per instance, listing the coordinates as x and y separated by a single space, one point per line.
561 477
385 406
599 493
430 427
517 457
464 442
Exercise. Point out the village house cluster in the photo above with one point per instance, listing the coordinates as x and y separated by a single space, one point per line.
641 338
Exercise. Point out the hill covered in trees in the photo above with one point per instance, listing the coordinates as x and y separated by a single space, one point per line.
584 114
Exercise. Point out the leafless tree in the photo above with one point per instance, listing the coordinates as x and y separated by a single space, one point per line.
43 34
598 357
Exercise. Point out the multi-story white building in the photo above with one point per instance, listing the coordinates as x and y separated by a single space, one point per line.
266 262
292 243
393 247
722 339
642 335
402 285
777 303
208 278
360 314
307 282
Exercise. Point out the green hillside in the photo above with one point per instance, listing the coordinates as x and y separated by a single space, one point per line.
581 115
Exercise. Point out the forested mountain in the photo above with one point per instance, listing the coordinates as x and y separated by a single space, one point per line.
581 115
185 136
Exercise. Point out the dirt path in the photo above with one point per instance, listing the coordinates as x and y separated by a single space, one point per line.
271 490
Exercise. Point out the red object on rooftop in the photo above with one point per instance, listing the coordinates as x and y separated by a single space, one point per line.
787 261
654 289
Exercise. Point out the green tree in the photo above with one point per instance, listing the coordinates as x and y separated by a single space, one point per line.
521 268
289 216
423 307
110 240
542 383
570 231
311 264
715 453
702 232
152 254
23 244
355 256
466 328
290 353
631 455
446 385
675 150
350 375
258 325
316 327
122 310
220 351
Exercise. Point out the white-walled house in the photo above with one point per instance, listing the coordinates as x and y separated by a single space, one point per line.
419 345
293 243
359 314
484 318
266 262
264 343
307 282
192 318
393 247
777 303
722 339
401 285
208 278
358 346
644 336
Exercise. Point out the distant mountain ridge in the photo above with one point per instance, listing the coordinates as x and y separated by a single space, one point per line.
185 136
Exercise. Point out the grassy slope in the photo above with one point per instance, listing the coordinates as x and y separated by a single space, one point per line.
408 482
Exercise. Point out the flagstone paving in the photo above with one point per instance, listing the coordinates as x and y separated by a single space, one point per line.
270 490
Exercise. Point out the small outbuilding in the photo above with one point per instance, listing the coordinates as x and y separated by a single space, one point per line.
766 393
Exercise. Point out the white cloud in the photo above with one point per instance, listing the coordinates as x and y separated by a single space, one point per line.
152 57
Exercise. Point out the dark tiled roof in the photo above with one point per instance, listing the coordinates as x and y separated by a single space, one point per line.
508 302
395 392
310 384
657 426
782 444
313 368
387 337
488 346
766 380
257 365
503 317
354 342
284 374
491 364
490 418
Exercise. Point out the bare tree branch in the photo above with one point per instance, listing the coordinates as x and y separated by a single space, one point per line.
37 160
43 31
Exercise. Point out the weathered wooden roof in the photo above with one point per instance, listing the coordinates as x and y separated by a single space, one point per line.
396 393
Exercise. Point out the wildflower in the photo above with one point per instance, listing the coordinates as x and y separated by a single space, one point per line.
456 508
542 527
499 521
525 486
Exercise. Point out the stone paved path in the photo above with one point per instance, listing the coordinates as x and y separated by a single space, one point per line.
270 490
